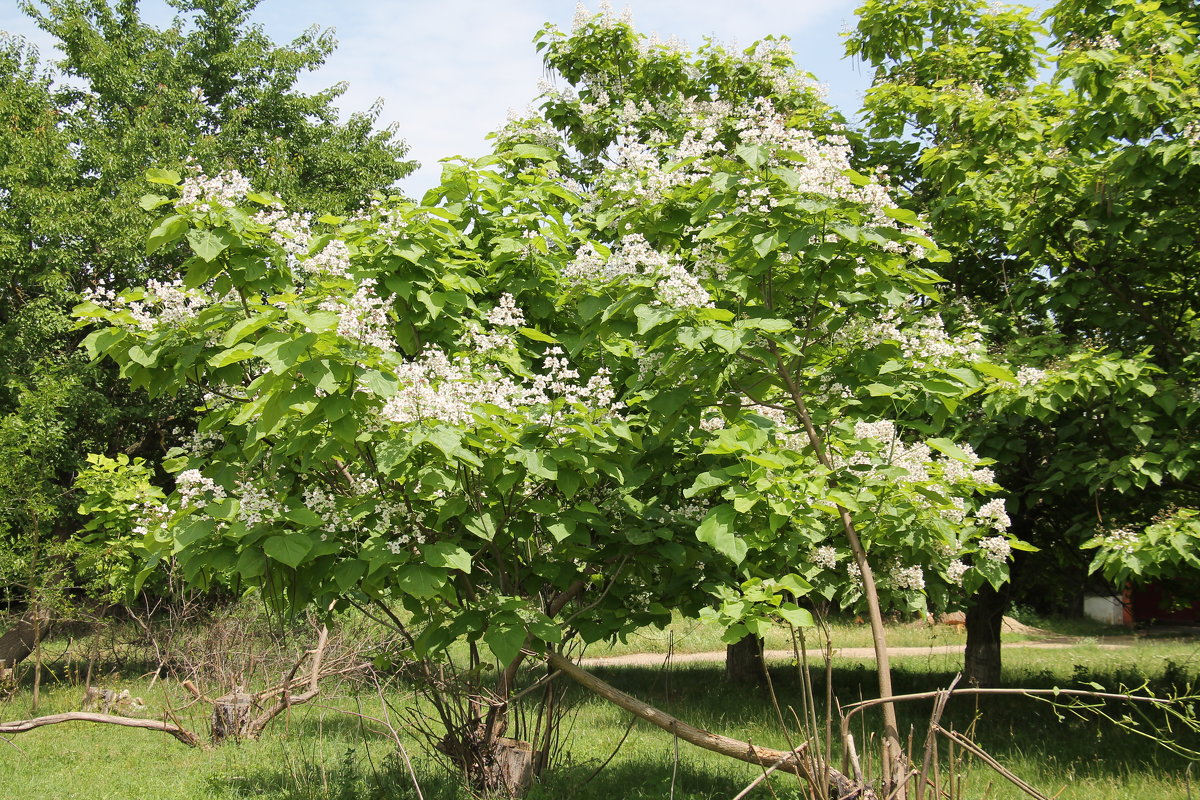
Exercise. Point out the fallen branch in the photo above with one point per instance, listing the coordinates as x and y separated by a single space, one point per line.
179 733
716 743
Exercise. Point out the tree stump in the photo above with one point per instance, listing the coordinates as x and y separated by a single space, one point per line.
231 715
511 768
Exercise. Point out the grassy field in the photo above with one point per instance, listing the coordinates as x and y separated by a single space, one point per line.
320 751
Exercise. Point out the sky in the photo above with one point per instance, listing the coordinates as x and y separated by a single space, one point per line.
448 71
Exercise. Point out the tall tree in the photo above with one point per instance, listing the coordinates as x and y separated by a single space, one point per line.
1058 158
210 89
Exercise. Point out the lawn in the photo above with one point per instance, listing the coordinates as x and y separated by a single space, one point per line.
320 751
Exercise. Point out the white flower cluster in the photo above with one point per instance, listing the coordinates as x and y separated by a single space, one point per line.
676 286
150 517
324 504
198 444
994 514
924 342
955 471
1123 540
691 511
363 317
606 18
256 505
955 572
825 557
995 548
194 488
291 231
1028 376
434 387
506 314
883 430
332 260
207 194
910 578
162 303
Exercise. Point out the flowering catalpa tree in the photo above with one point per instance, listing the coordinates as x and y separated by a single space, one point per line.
664 349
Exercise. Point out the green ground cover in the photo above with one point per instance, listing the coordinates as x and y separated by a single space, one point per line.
320 751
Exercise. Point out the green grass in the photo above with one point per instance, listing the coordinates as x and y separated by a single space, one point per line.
318 752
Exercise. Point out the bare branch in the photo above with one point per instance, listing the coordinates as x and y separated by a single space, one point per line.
21 726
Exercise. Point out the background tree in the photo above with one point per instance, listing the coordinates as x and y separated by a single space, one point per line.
210 89
1058 158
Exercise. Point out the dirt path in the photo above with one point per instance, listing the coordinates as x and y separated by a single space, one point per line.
657 659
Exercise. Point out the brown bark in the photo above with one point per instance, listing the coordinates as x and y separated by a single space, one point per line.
820 776
19 641
982 660
743 661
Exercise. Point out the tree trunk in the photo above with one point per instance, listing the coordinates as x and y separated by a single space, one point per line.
20 640
981 662
231 716
743 661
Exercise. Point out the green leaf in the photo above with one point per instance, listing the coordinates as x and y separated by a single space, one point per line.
568 481
537 336
505 642
420 580
446 555
755 155
1142 432
289 548
705 482
163 176
232 355
534 151
208 244
152 201
795 616
727 339
949 448
650 317
716 530
305 516
347 574
380 384
167 232
903 215
240 330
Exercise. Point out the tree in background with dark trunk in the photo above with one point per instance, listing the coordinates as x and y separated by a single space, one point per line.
1058 159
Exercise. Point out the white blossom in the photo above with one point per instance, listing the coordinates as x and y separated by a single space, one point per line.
825 557
193 488
204 193
995 548
994 514
910 578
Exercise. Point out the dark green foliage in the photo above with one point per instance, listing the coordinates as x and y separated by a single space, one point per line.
75 143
